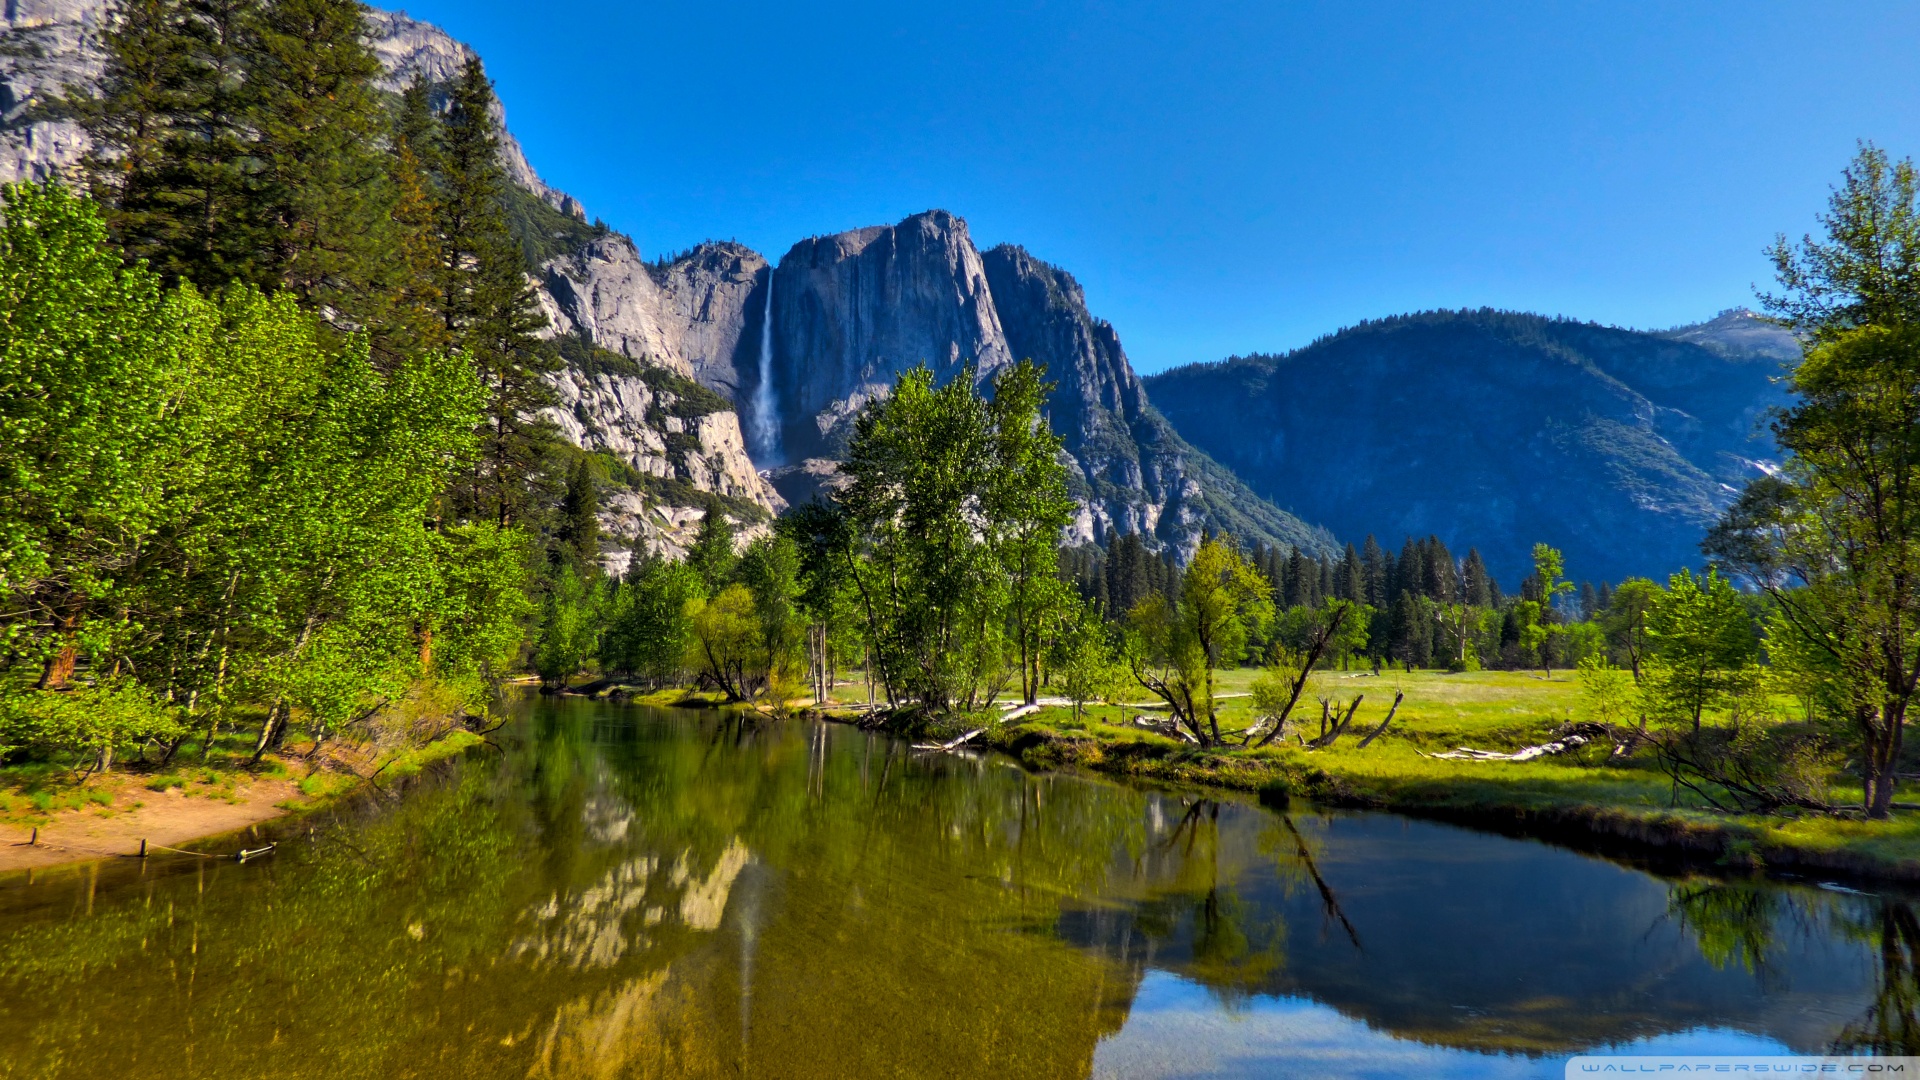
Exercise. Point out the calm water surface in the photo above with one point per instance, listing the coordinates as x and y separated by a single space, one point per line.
630 892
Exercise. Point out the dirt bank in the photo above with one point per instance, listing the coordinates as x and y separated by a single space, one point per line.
172 818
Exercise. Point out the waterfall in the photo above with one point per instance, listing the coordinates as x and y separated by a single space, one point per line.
766 420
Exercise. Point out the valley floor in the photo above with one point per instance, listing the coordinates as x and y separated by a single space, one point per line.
1581 798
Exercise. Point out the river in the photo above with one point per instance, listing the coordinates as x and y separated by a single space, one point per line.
619 891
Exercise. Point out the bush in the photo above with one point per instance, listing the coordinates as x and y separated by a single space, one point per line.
84 727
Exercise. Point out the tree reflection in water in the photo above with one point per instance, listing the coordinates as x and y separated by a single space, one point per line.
634 893
1743 925
1892 1024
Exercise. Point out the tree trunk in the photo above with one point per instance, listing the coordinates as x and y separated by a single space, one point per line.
59 666
266 731
1883 756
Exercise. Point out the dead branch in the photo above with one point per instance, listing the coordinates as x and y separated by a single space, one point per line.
1397 699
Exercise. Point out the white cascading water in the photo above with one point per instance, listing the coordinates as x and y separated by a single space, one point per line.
766 423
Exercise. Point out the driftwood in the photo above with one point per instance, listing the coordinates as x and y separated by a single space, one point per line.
1573 737
951 746
1397 699
1170 729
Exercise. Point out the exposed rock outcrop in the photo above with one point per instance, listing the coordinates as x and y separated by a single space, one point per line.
48 46
855 310
694 315
1133 471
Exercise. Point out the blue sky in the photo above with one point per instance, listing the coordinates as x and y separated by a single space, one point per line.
1228 177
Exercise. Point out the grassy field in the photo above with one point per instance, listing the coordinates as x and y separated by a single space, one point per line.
1584 795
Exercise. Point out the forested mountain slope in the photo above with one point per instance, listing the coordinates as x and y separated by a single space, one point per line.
1497 430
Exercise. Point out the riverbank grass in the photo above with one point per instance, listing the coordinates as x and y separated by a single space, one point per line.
1582 794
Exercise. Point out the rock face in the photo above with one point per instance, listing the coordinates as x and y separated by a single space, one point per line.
1739 333
409 48
853 311
650 431
699 316
1132 471
1493 430
48 46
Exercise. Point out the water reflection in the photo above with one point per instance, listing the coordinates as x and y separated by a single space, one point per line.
633 893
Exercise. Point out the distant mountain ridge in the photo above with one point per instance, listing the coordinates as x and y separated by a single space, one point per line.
1495 429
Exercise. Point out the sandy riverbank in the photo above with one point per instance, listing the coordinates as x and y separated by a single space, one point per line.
172 818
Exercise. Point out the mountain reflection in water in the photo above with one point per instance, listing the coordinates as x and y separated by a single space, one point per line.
624 892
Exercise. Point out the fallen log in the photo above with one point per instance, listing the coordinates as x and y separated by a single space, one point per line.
1527 753
1169 729
951 746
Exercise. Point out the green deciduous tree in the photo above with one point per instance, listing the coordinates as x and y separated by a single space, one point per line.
1832 538
569 629
1701 649
952 500
726 645
219 501
1177 645
651 631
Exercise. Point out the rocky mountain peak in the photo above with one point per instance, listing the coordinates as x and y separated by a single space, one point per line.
1740 332
854 310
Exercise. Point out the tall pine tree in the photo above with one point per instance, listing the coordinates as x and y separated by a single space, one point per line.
487 305
321 199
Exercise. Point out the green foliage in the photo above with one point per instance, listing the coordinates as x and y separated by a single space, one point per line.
1832 538
1625 621
727 647
578 534
207 504
243 141
87 726
770 569
569 629
1866 271
1086 655
1174 646
1702 649
1608 694
712 556
650 629
953 512
488 306
544 233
